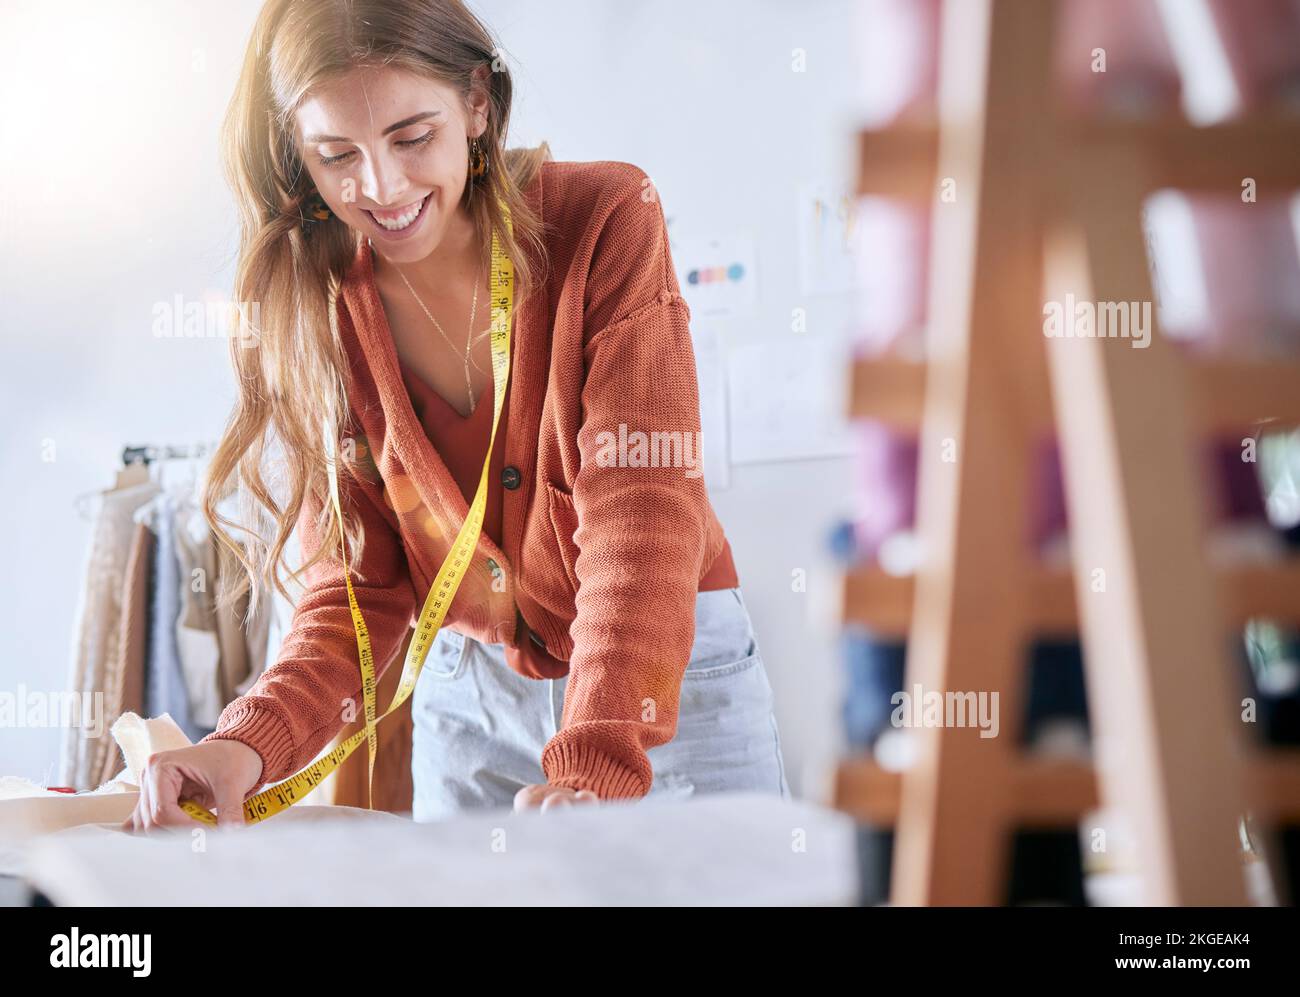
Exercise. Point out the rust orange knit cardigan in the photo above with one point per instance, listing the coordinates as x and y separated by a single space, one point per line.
604 547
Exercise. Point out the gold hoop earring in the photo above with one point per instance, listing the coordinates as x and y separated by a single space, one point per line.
315 210
478 160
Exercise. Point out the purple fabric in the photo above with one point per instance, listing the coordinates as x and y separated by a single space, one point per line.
1047 515
887 468
1239 496
887 465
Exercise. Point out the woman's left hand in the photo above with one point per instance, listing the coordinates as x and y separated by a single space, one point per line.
546 798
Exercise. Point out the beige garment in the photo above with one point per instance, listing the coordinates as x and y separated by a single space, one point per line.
124 681
98 630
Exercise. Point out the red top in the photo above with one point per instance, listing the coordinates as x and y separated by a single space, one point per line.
461 442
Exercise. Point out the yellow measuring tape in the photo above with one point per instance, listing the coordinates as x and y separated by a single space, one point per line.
283 795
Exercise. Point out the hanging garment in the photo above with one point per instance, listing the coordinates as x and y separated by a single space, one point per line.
243 642
124 682
165 688
98 630
264 634
222 648
196 626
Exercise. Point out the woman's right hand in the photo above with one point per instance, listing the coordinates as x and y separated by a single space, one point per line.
217 775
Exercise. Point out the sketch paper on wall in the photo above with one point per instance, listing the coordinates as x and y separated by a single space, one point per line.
711 372
787 399
826 220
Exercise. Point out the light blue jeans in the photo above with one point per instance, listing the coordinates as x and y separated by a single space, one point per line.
480 726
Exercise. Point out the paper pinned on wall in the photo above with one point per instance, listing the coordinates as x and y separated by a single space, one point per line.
826 221
717 274
710 371
787 399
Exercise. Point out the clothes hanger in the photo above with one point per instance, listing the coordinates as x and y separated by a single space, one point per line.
135 472
143 464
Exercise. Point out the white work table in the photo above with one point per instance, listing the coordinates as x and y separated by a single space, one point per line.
727 849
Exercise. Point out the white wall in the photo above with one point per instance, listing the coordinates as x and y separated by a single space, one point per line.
113 200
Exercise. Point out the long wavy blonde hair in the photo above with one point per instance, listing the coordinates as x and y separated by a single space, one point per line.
292 374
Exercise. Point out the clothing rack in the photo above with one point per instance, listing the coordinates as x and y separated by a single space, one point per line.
134 470
148 454
148 640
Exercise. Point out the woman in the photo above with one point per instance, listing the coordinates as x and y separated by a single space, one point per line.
598 647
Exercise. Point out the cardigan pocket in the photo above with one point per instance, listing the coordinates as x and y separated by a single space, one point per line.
564 521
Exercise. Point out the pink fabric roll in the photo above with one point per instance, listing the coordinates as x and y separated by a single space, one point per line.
1261 39
1140 74
886 462
897 48
892 246
1251 274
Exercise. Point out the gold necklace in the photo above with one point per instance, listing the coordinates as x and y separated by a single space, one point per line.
470 338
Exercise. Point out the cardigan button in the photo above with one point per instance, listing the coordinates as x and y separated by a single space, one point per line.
510 476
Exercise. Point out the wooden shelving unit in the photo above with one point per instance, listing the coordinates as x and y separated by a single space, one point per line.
1048 203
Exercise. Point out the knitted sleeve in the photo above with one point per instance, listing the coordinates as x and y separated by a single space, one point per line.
642 514
298 704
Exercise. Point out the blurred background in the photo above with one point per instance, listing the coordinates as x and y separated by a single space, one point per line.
748 116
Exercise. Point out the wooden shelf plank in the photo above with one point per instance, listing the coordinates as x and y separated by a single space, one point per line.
1230 396
1179 154
888 390
892 390
867 792
1274 783
898 161
883 603
1270 592
1047 792
1051 792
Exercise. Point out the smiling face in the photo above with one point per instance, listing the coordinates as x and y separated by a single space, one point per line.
388 151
